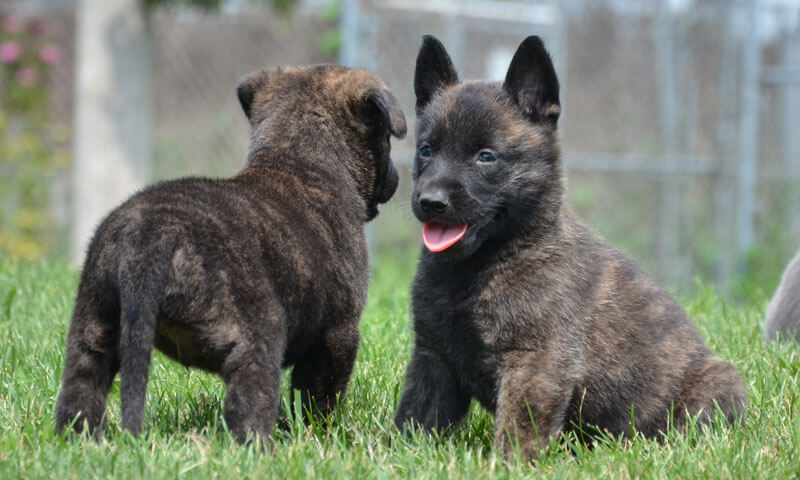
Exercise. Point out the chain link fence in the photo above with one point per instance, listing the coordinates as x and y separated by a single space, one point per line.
679 118
198 59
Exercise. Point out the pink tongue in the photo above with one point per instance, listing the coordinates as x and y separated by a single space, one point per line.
438 236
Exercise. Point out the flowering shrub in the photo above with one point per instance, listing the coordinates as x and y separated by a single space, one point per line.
31 146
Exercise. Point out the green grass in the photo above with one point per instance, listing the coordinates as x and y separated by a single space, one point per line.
185 435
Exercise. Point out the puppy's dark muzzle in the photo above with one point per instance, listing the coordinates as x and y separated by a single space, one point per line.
385 191
433 202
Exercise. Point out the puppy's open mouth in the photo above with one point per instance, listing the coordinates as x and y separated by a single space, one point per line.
438 237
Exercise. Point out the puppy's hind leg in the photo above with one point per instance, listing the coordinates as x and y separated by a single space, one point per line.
713 383
138 319
141 284
532 403
324 370
92 360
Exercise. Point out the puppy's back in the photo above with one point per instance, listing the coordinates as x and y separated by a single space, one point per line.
783 312
164 217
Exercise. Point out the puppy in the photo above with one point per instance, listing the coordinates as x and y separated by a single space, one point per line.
518 304
243 276
783 312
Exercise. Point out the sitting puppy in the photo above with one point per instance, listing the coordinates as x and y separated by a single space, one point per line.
518 304
783 312
242 276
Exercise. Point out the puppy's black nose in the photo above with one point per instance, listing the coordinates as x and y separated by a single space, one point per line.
433 201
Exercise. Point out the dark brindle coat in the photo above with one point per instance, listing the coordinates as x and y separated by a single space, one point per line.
530 312
242 276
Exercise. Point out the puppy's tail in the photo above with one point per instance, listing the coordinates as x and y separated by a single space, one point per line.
140 290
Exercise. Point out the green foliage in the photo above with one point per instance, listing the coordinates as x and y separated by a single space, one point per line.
283 7
185 434
331 40
329 43
32 148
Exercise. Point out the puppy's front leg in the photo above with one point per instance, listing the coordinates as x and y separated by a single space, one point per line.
531 404
324 370
432 398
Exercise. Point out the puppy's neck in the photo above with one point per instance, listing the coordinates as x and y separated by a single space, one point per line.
540 218
294 150
540 234
323 170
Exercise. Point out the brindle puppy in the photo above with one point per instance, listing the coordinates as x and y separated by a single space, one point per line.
783 312
518 304
243 276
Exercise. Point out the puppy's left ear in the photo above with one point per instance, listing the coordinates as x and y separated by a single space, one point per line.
247 88
388 111
532 83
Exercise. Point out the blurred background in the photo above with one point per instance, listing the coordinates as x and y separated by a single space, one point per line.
680 117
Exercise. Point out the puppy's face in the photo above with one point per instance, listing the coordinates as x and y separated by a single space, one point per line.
487 162
349 114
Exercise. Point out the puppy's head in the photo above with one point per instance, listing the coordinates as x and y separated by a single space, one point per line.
487 164
327 112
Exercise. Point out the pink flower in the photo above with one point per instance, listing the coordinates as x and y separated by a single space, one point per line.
50 54
10 51
27 77
13 25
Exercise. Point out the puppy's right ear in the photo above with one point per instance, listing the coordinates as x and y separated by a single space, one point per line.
434 71
247 88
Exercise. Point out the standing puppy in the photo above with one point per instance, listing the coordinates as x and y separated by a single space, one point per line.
783 312
245 275
518 304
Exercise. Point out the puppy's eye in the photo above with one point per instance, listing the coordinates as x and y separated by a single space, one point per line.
486 156
425 151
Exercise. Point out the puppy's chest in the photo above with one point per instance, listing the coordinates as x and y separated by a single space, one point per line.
498 319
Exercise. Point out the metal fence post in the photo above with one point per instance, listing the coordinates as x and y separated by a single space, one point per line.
791 118
748 133
351 31
723 187
357 52
112 145
668 214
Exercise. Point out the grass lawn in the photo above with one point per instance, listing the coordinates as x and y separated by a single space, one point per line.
185 435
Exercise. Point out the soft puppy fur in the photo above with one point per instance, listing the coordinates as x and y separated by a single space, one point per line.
783 312
528 311
243 276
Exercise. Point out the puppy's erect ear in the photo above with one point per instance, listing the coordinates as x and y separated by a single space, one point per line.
434 71
389 111
247 88
531 82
